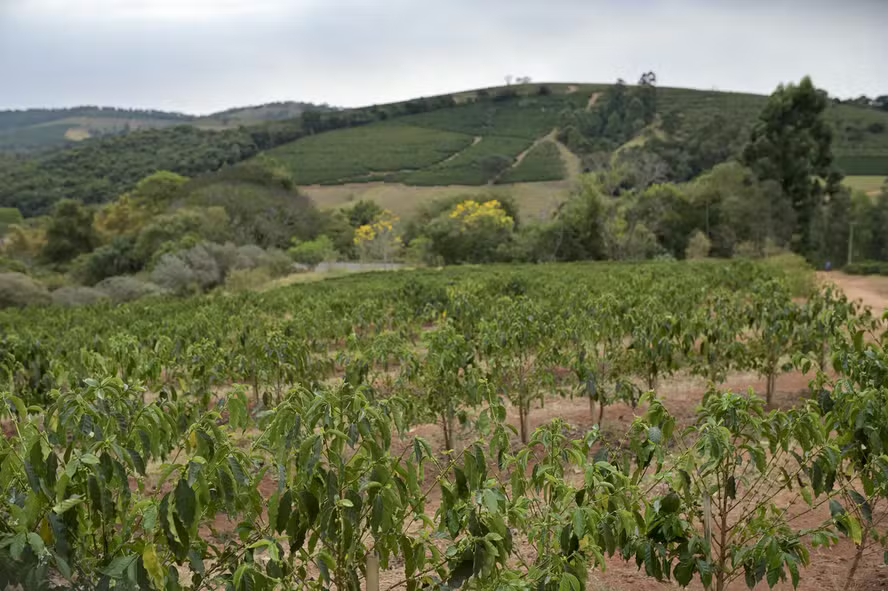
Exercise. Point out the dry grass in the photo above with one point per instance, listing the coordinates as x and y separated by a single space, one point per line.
534 200
868 184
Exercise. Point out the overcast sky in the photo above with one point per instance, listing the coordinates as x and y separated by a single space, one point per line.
200 56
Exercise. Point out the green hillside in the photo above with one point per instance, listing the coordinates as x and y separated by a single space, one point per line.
468 138
34 129
40 129
504 122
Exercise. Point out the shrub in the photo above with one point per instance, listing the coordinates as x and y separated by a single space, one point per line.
73 297
277 262
116 258
8 264
9 216
127 288
313 252
174 274
867 268
225 256
249 256
247 279
747 250
18 290
698 246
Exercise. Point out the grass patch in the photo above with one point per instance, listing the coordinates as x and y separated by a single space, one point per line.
867 184
542 163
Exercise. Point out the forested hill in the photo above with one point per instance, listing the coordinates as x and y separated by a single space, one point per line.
497 135
30 130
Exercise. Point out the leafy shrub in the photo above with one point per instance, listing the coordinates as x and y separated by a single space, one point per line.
867 268
208 272
313 252
18 290
247 279
249 256
116 258
277 262
747 250
76 296
8 264
180 229
698 246
126 288
173 273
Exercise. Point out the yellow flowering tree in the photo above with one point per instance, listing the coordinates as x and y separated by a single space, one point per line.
472 231
379 240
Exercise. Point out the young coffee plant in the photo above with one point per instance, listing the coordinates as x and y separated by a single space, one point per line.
735 496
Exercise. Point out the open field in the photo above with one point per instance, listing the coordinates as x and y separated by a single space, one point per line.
535 200
868 184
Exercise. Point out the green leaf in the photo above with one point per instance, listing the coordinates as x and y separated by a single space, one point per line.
153 567
285 505
684 572
89 459
835 508
36 543
569 582
655 435
579 522
67 504
119 565
855 530
186 503
491 502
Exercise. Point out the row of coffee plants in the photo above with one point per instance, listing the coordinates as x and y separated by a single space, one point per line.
264 441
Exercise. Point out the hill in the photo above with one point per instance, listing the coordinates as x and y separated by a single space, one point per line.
40 129
502 135
33 129
534 134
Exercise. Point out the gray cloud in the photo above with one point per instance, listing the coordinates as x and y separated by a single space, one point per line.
204 55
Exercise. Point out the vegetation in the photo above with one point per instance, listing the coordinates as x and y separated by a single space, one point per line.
690 131
541 163
478 164
351 154
278 449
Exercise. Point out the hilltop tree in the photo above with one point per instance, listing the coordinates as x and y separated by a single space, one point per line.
70 232
791 144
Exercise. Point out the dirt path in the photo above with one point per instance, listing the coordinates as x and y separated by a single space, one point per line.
592 100
871 290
